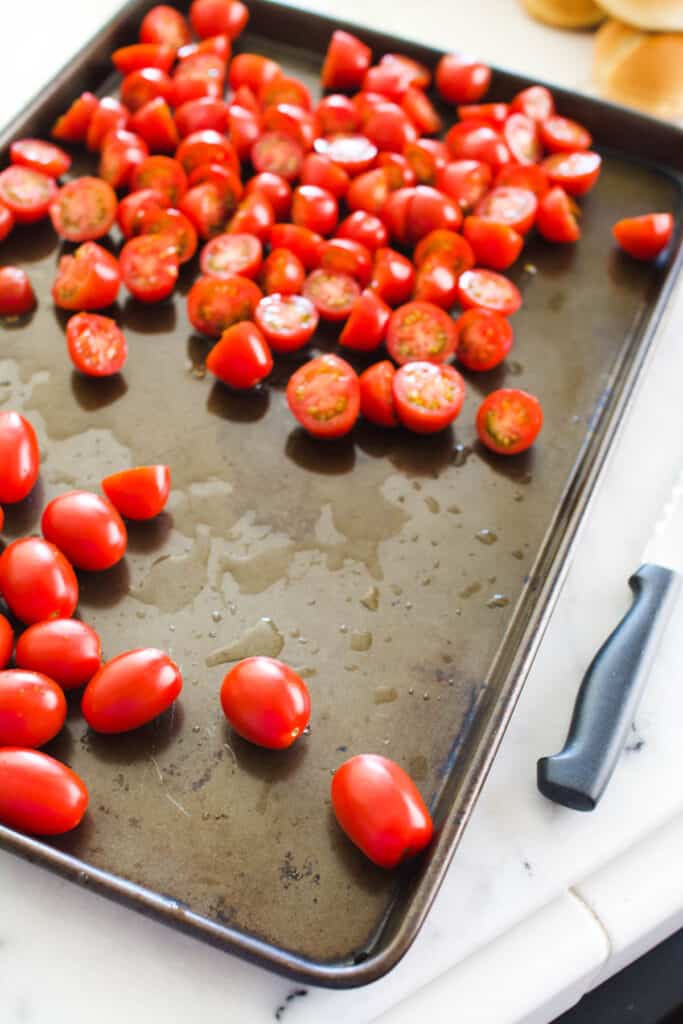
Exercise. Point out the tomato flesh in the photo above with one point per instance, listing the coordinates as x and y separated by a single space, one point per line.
84 209
65 650
140 493
486 289
27 193
174 226
420 331
40 156
483 339
89 279
509 421
324 396
149 266
287 321
332 293
577 173
131 690
427 396
377 394
96 345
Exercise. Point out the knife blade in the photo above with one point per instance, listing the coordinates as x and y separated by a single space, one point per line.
614 681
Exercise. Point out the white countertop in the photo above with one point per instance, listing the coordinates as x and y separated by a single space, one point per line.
541 903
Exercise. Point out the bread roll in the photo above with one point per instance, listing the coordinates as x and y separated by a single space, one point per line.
640 69
565 13
655 15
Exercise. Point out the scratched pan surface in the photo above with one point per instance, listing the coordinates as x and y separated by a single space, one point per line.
409 579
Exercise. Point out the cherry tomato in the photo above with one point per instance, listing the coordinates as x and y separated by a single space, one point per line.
149 266
96 346
122 151
65 650
131 690
140 493
166 26
26 193
380 809
208 207
6 221
86 528
213 17
390 78
427 397
419 75
367 324
448 247
37 582
88 279
322 172
332 293
343 255
201 74
421 112
470 141
253 70
461 79
437 282
143 55
493 114
16 292
495 245
174 226
38 794
324 396
377 395
32 709
241 358
206 147
19 457
213 305
644 237
509 421
154 123
369 192
219 45
253 216
204 113
530 177
132 208
287 321
562 135
388 127
109 116
279 154
465 181
293 122
6 641
266 702
483 339
346 62
284 90
486 289
224 178
364 228
521 136
420 331
412 213
575 172
144 85
354 153
426 158
506 204
275 188
225 255
73 125
40 156
556 219
393 276
304 243
84 209
163 174
397 167
336 115
282 272
535 102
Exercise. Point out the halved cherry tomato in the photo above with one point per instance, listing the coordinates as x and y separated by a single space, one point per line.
26 193
390 78
37 582
166 26
154 123
86 528
427 397
282 272
509 421
84 209
201 74
562 135
96 345
461 79
419 75
205 113
303 242
364 228
206 147
322 172
324 396
575 172
215 304
494 114
296 123
412 213
557 215
275 188
521 135
208 207
495 245
65 650
420 331
253 216
89 279
332 293
369 192
224 178
530 176
426 158
16 292
646 236
109 116
380 809
483 339
40 156
284 90
32 708
19 457
131 690
287 321
73 125
266 702
421 112
486 289
241 358
536 102
377 394
315 208
140 493
253 70
144 85
39 795
279 154
397 168
173 225
388 127
226 255
164 174
149 266
437 282
363 102
469 141
6 641
336 115
343 255
143 55
346 62
448 247
132 208
367 323
465 181
212 17
6 221
506 204
122 151
355 153
393 276
219 45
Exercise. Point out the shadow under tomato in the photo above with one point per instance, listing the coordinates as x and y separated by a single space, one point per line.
363 874
148 318
548 259
104 589
413 454
267 765
93 393
187 276
23 518
147 536
518 468
331 458
238 406
62 746
29 243
287 363
487 381
128 748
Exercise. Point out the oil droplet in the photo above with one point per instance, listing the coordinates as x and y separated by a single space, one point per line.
171 628
518 497
396 589
461 453
216 615
455 510
409 605
371 599
232 607
385 695
140 614
498 601
425 581
196 728
472 588
418 767
350 668
306 731
411 691
432 504
417 486
264 638
530 268
361 641
492 579
425 696
518 554
487 537
343 628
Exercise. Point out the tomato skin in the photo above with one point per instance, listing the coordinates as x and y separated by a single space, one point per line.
206 147
421 112
364 228
644 237
266 702
96 345
16 292
556 218
6 641
37 582
426 158
253 216
577 173
419 75
562 135
324 173
207 209
509 421
398 168
275 188
277 153
32 709
39 795
304 243
216 17
335 115
84 209
19 457
324 396
133 206
393 276
483 339
376 394
495 245
487 289
535 102
86 528
420 331
494 114
252 70
154 123
72 126
465 181
436 282
287 321
65 650
206 112
122 151
390 78
149 266
460 79
292 122
346 62
174 225
367 324
219 45
131 690
40 156
143 55
369 192
166 26
232 254
163 174
412 213
108 116
531 177
241 358
469 141
282 272
86 280
140 493
284 90
380 809
201 74
213 305
139 87
521 136
6 221
388 127
448 247
345 256
26 193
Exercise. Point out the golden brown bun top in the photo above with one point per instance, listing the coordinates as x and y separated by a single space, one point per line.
654 15
640 69
565 13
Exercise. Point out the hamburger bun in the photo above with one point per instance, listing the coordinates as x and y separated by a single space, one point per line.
654 15
640 69
565 13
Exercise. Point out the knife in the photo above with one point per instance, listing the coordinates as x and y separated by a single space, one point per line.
614 682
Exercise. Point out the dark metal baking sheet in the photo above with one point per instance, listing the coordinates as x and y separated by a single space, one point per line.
411 578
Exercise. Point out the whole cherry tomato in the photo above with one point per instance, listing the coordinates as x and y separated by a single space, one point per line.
19 457
377 394
38 794
6 641
16 292
646 236
241 358
324 396
139 493
86 528
509 421
266 702
65 650
461 79
32 708
37 582
131 690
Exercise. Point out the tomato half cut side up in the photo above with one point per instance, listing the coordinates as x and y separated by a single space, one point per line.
332 293
287 321
140 493
509 421
427 396
214 304
225 254
324 396
149 267
486 289
577 173
277 153
84 209
86 280
420 331
26 193
96 345
174 226
377 394
483 339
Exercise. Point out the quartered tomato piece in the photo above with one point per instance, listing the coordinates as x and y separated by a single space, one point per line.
133 207
97 347
575 172
73 125
282 272
535 102
40 156
88 279
26 193
377 394
521 135
166 26
140 87
109 116
32 708
393 276
19 458
465 181
279 154
486 289
332 293
37 582
644 237
436 282
335 115
427 397
303 242
420 331
421 112
154 123
84 209
143 55
16 292
367 324
226 254
65 650
39 795
531 177
562 135
461 79
149 266
214 304
122 151
140 493
275 188
213 17
287 321
495 245
354 153
557 217
390 78
174 226
164 174
364 228
509 421
241 359
324 396
266 702
483 339
131 690
346 62
506 204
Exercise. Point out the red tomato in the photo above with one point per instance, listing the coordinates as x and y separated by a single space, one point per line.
535 102
369 192
426 158
364 228
241 358
509 421
556 219
16 292
380 809
122 151
390 78
143 55
377 394
6 641
202 114
253 70
324 396
224 178
226 255
575 172
206 147
278 154
140 493
201 74
521 135
84 209
421 112
26 193
174 226
284 90
65 650
336 115
275 188
388 127
367 323
37 582
447 247
320 171
19 457
132 208
495 245
486 289
73 125
562 135
144 85
644 237
219 45
131 690
291 121
88 279
282 272
420 331
213 305
163 174
506 204
469 141
208 207
109 116
465 181
437 282
253 216
266 702
332 293
483 339
96 346
149 267
154 123
40 156
288 321
39 795
346 62
304 243
344 256
6 221
166 26
213 17
427 397
419 75
397 167
354 153
86 528
410 214
461 79
493 114
32 709
530 177
393 276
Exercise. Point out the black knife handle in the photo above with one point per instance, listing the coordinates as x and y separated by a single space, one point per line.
607 700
